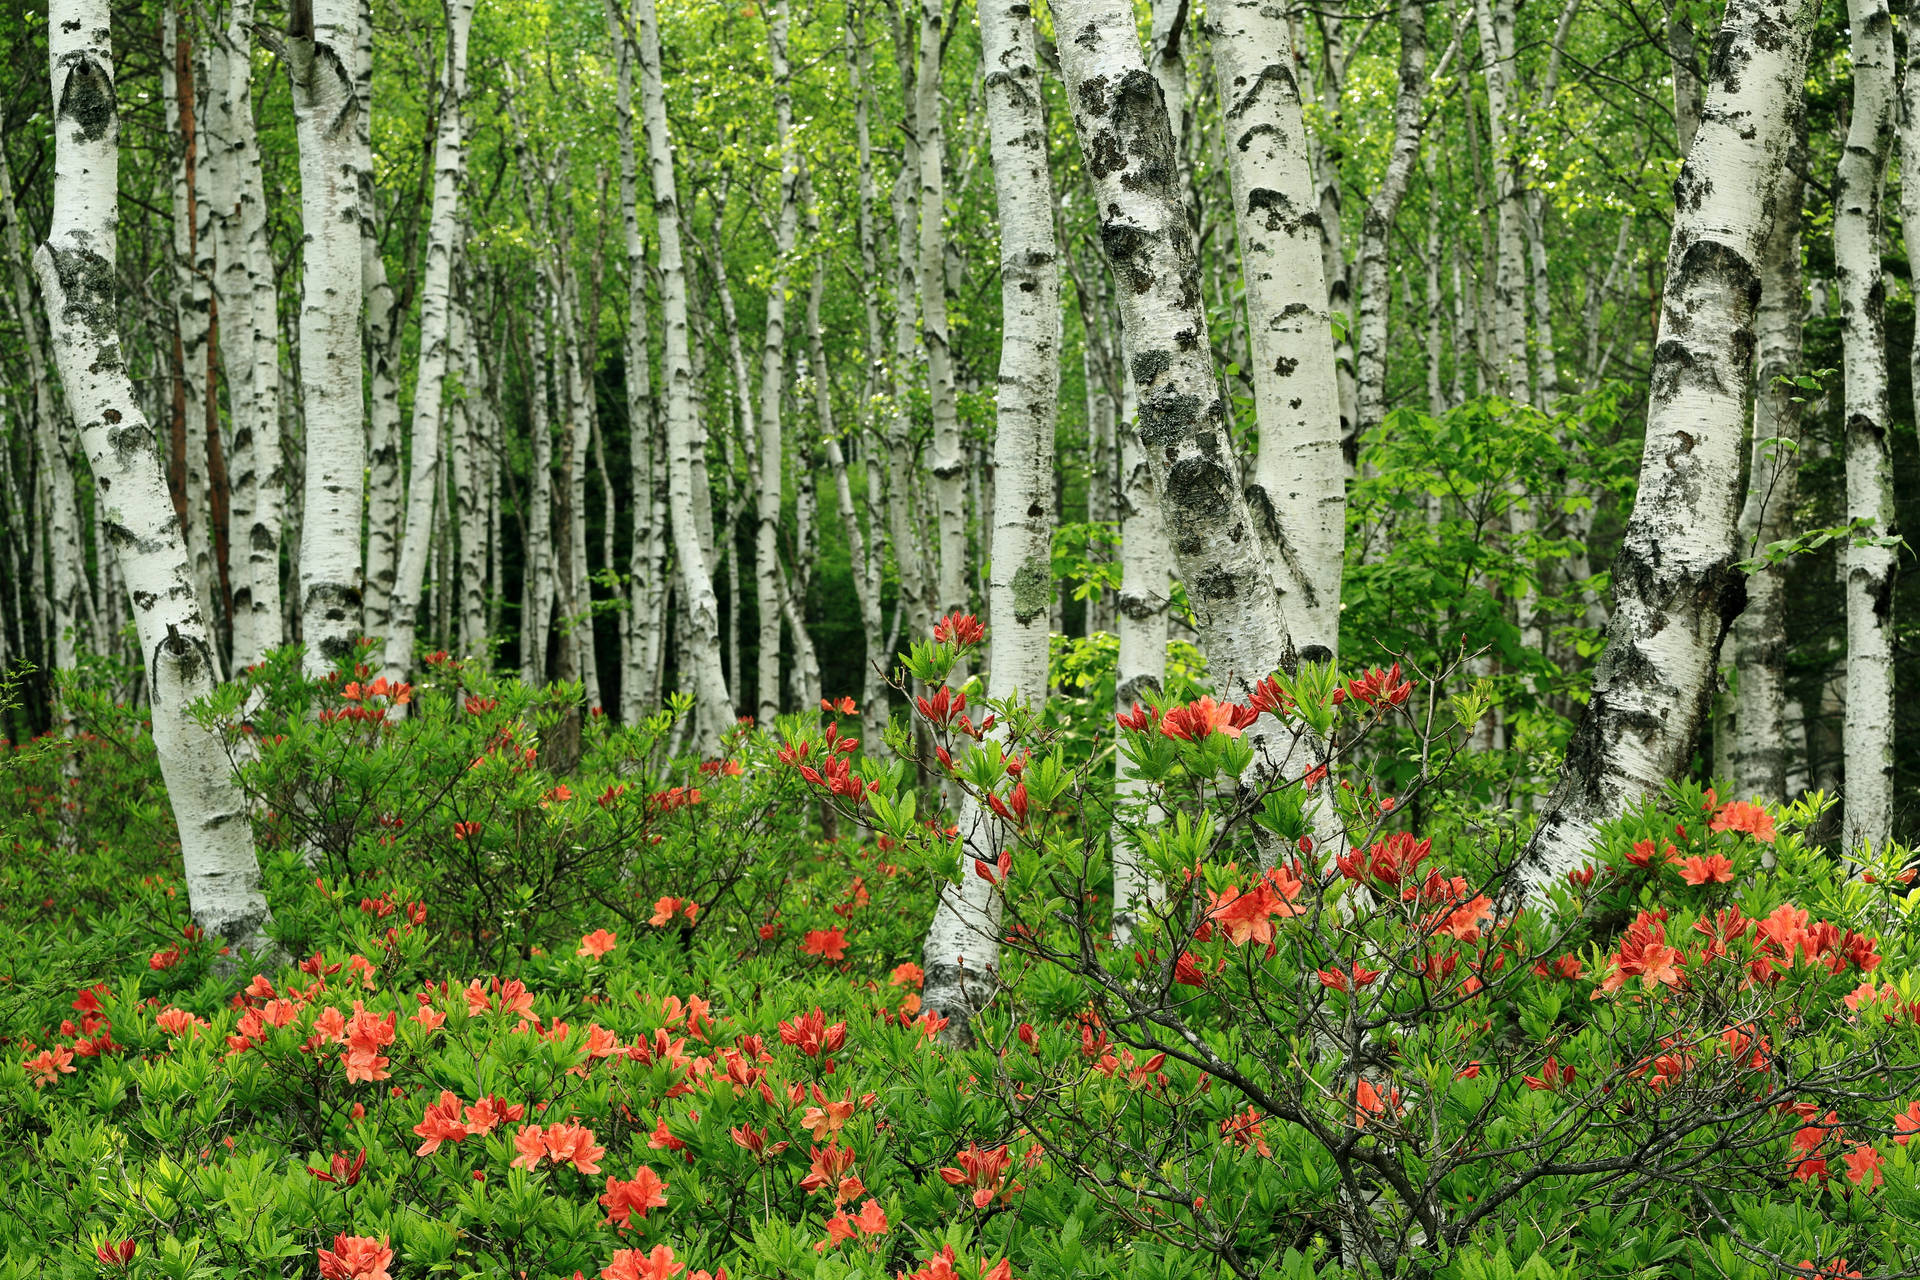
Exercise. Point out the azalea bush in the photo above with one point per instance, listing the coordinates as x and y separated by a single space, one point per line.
559 1001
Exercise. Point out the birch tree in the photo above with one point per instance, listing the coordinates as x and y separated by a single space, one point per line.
773 369
1676 587
1870 556
319 52
700 657
75 266
963 941
1301 473
436 302
949 464
1371 365
1759 751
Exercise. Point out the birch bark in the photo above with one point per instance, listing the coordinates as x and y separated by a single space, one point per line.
319 51
1377 222
1300 474
76 270
1495 20
66 610
249 354
1868 732
701 656
1675 585
773 369
963 943
949 462
436 301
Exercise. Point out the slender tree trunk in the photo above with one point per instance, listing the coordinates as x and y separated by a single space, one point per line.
773 368
1675 585
963 943
916 588
57 551
467 419
1758 748
701 657
1869 568
384 321
1377 223
1301 475
436 305
1686 73
77 276
540 553
192 306
949 462
1495 19
319 51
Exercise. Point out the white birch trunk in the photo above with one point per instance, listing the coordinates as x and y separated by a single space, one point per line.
540 559
949 463
58 548
1495 21
384 320
962 947
1868 733
1675 585
467 422
773 369
249 352
1300 474
1759 752
319 49
137 519
1377 222
429 387
700 658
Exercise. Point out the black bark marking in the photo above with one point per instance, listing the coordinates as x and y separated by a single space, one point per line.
86 97
1148 366
1168 416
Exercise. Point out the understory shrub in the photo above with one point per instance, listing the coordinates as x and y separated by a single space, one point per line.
555 1001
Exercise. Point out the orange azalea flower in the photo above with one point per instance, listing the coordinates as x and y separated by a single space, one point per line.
1906 1124
647 1190
356 1258
1742 816
828 944
1713 870
632 1264
664 911
1203 716
50 1065
1863 1166
440 1124
907 974
597 944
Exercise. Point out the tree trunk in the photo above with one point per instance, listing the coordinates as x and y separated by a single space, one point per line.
773 369
949 462
713 708
76 270
963 943
1759 750
1675 585
436 304
1377 223
319 49
1869 567
59 551
1495 20
1301 475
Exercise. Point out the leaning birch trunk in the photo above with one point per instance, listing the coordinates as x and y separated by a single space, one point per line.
1300 473
53 442
319 44
1127 147
713 708
250 356
1377 222
773 370
429 388
1870 560
1675 585
962 948
1759 754
137 519
949 462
